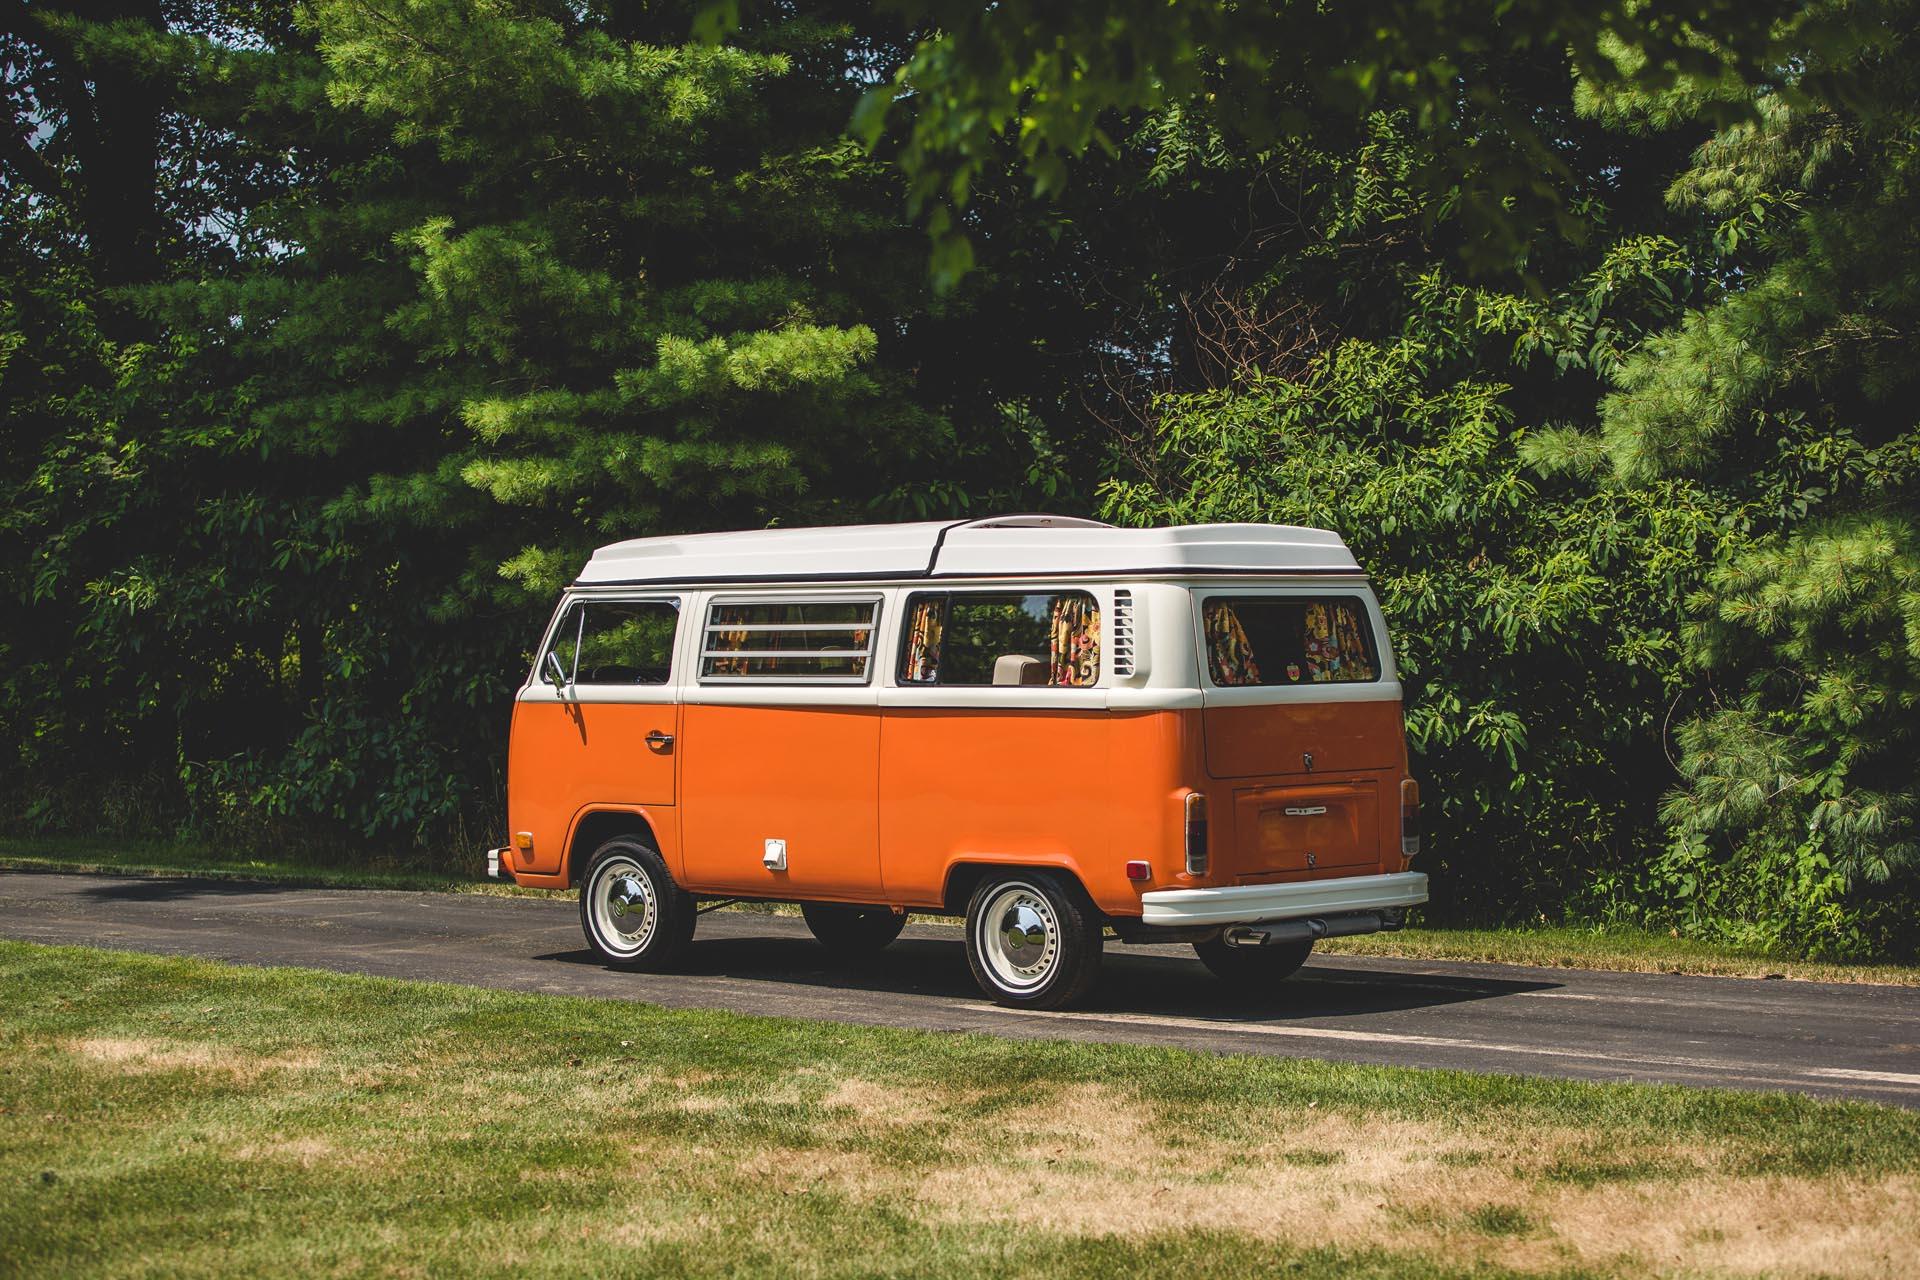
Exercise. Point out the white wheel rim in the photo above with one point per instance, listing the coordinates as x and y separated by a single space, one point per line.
1018 936
623 906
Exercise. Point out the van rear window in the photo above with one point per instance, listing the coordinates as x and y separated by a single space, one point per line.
1286 640
1049 639
825 640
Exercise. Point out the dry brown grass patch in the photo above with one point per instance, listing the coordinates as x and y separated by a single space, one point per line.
874 1107
150 1056
792 1171
307 1152
640 1229
1093 1160
1846 1227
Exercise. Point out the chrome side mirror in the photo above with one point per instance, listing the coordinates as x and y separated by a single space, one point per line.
553 672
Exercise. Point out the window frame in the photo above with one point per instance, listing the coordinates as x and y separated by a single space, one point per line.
580 604
718 600
1385 675
910 596
539 689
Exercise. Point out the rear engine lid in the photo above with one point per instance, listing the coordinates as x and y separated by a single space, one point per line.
1278 739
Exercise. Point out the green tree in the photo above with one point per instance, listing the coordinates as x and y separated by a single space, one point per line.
1050 82
115 181
489 284
1790 391
1348 381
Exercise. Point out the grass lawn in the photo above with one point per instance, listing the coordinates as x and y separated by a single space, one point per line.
179 858
187 1117
1563 946
1629 950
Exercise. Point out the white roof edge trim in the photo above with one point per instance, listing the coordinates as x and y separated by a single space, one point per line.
999 546
1208 548
1030 521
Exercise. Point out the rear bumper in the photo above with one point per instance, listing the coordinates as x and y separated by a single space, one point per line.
1254 903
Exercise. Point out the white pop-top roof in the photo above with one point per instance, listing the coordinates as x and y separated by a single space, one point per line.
1004 546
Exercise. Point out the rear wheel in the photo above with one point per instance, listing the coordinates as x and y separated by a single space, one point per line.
634 915
1033 940
1253 969
852 931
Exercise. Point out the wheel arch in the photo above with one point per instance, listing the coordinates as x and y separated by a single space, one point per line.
597 826
964 876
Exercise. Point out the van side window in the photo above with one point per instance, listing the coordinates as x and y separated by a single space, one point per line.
1049 639
1285 640
617 641
807 640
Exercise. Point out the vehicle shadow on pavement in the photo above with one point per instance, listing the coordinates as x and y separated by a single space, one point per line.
175 888
1132 981
929 964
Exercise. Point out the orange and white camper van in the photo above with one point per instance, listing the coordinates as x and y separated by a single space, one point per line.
1052 727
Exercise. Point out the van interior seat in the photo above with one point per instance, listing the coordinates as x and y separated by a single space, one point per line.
1018 668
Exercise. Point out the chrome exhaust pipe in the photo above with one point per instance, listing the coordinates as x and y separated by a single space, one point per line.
1280 933
1287 932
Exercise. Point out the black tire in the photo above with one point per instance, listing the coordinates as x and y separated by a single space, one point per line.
1047 912
652 945
1253 970
852 932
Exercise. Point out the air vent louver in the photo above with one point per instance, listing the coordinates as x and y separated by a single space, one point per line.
1124 650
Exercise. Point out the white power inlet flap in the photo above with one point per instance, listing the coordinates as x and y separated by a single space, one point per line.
775 858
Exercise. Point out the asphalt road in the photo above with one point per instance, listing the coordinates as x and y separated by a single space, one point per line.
1835 1040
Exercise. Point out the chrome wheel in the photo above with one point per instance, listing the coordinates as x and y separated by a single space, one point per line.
634 915
625 910
1019 936
1033 938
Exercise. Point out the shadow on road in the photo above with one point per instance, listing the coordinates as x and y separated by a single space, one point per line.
176 888
928 964
1132 981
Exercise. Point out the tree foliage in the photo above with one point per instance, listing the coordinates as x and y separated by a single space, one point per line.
520 279
1052 81
1534 622
1790 390
333 335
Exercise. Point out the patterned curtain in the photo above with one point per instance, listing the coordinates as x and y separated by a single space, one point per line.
720 640
924 629
1074 645
1337 644
1229 652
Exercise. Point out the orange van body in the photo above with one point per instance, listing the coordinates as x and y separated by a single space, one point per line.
882 806
892 800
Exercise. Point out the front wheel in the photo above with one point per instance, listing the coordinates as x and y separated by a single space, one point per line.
1033 940
634 915
852 931
1253 969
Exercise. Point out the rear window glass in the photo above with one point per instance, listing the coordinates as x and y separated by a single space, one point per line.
806 640
1285 640
1046 639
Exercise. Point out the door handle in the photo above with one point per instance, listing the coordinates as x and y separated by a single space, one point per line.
659 739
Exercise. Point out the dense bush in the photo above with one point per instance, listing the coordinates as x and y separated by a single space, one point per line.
332 336
1535 621
488 286
1790 391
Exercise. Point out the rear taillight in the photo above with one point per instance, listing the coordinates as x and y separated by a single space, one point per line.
1409 817
1196 834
